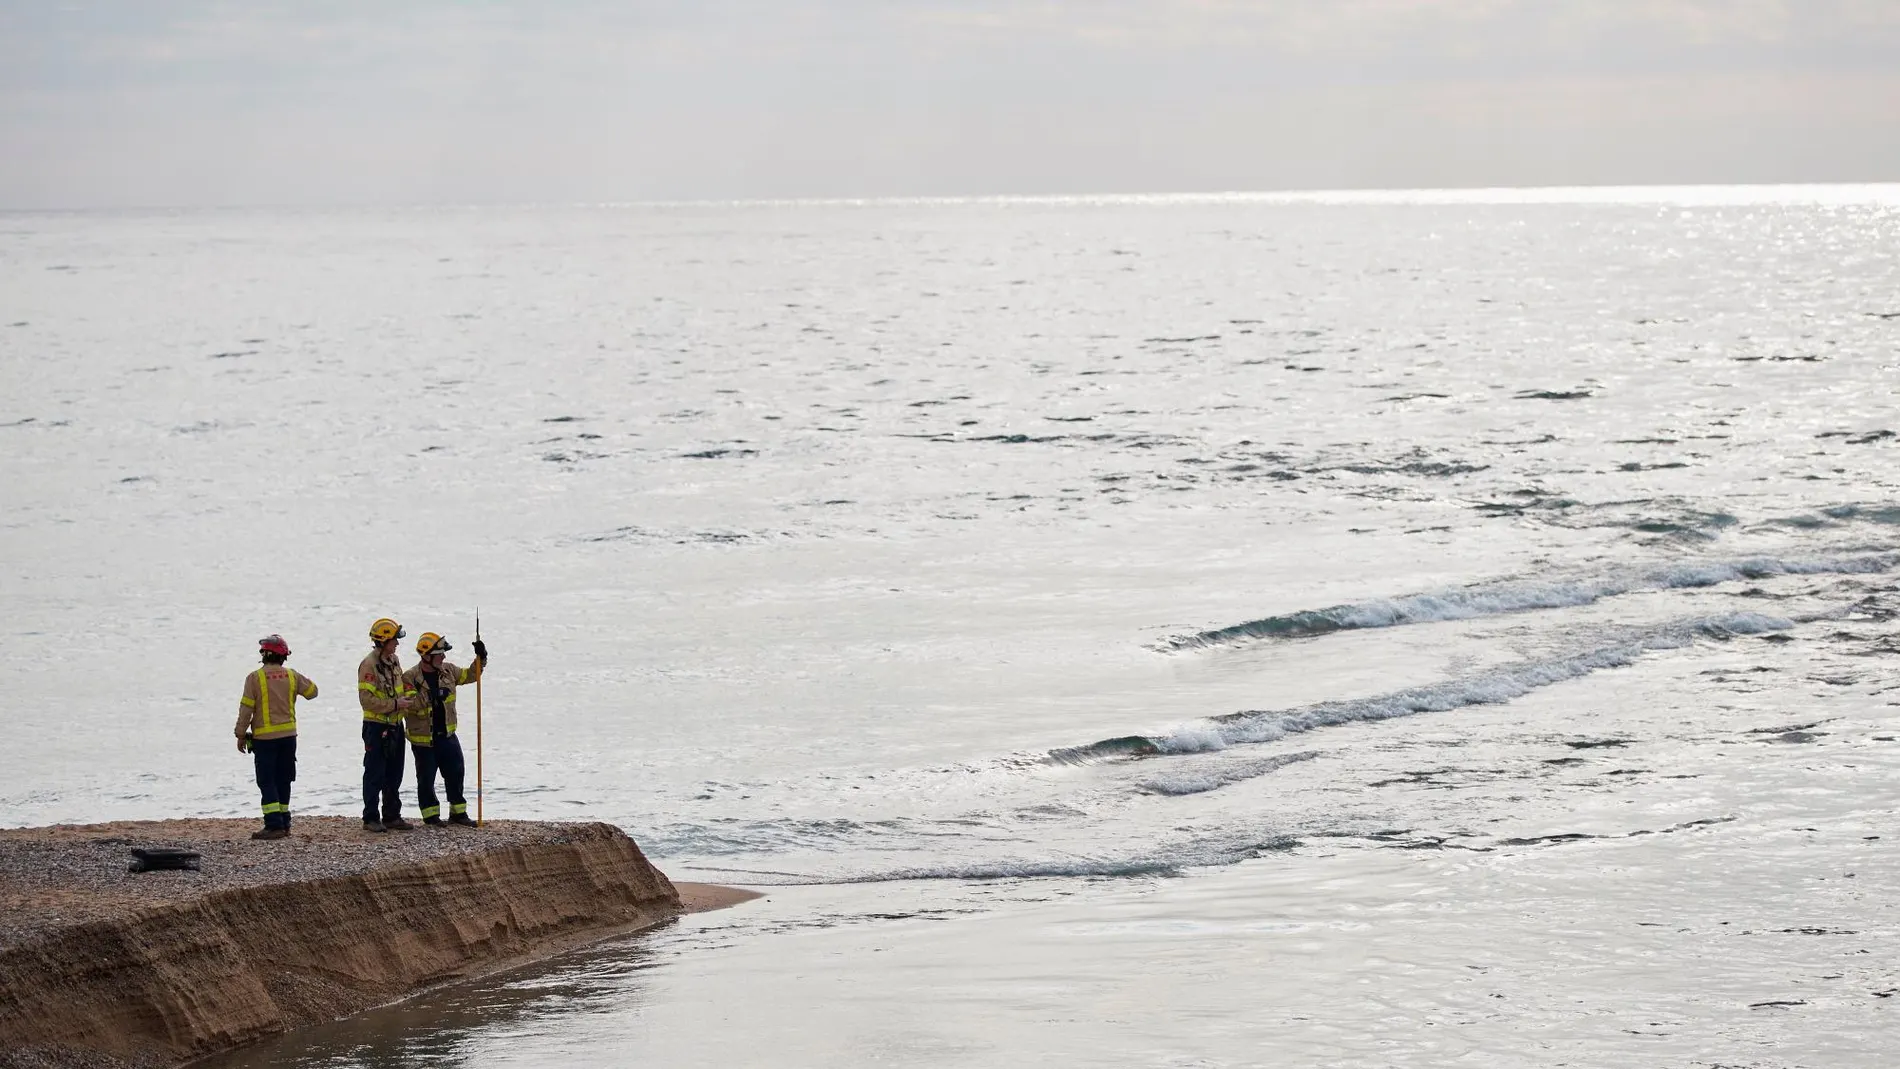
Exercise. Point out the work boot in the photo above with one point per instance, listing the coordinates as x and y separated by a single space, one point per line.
271 833
374 825
398 824
433 822
462 819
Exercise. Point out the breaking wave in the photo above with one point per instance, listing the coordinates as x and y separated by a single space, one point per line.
1495 599
1490 688
1198 780
1882 514
733 836
1168 861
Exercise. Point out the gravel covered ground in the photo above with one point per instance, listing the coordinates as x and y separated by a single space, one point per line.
75 873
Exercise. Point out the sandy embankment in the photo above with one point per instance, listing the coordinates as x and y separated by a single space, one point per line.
101 967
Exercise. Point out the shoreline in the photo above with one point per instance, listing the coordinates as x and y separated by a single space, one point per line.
101 967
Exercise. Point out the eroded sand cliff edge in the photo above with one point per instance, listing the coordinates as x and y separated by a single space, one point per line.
102 967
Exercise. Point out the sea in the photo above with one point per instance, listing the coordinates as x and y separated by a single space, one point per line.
1363 629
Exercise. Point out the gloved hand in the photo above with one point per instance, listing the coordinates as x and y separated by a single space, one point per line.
481 650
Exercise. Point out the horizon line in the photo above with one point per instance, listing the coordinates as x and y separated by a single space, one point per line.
1705 194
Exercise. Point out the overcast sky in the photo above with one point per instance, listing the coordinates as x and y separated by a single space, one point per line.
216 102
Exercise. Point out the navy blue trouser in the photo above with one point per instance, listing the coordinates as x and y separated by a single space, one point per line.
446 755
276 761
382 771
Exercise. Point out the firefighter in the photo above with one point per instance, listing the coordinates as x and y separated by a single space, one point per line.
431 726
385 697
267 729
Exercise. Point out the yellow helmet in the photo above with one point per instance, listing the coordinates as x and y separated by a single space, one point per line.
385 629
430 642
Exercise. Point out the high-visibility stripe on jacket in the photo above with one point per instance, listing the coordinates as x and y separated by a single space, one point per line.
379 684
418 720
268 709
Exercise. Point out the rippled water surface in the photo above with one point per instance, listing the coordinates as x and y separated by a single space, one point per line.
1179 632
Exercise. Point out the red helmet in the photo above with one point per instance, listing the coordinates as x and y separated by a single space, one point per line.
274 644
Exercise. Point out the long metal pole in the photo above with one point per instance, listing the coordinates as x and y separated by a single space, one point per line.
478 727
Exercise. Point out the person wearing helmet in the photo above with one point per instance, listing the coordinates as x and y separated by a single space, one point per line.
267 729
432 726
384 696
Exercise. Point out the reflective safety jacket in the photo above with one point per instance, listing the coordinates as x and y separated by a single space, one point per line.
379 684
268 709
419 718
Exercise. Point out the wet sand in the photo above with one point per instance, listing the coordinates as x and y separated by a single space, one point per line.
103 966
68 874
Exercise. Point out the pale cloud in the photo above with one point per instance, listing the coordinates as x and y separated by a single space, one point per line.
210 101
1357 27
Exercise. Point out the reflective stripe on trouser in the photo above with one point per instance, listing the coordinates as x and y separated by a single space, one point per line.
446 755
382 771
276 762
